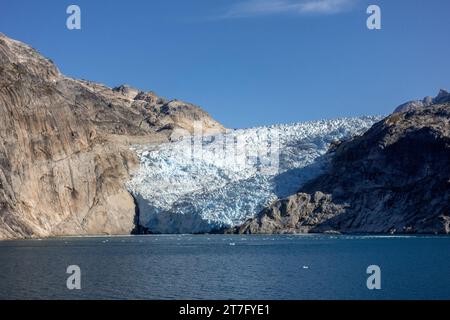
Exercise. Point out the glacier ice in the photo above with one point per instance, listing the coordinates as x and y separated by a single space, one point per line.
199 184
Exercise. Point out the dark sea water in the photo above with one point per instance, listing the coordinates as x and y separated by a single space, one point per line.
227 267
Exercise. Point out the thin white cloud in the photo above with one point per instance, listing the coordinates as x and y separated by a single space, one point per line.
250 8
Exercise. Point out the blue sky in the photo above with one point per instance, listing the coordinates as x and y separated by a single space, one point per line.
252 62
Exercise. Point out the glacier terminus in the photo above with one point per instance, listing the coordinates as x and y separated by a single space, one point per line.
200 184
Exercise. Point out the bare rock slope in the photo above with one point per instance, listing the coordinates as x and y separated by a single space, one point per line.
393 179
64 146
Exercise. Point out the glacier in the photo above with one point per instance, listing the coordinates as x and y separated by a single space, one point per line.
202 183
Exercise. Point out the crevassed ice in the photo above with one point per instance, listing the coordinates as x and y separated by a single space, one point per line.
200 184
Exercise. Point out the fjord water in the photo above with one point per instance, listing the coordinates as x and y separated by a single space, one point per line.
227 267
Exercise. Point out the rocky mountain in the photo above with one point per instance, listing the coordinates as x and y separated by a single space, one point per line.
442 97
80 158
393 179
65 146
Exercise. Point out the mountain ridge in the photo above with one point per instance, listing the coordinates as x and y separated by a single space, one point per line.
442 97
65 147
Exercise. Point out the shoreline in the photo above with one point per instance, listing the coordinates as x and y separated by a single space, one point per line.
299 235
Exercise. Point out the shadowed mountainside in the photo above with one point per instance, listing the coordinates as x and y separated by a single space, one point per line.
393 179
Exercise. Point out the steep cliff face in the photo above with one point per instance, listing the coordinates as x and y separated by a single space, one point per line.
393 179
64 146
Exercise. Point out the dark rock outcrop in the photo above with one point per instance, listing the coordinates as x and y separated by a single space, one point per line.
64 146
393 179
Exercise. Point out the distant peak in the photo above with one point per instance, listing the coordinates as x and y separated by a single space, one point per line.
443 96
